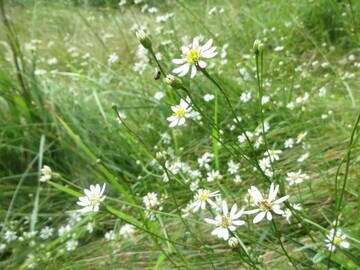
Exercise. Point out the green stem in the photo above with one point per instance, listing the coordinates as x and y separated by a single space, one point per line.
216 134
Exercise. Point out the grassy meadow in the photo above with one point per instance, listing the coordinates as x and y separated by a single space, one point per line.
85 100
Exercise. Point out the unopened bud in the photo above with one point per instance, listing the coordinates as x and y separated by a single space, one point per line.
233 242
174 82
258 46
144 39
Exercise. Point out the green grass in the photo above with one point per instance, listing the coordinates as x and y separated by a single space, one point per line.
65 119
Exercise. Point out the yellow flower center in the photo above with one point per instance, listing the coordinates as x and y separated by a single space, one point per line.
193 56
225 222
94 200
203 197
180 112
265 206
337 240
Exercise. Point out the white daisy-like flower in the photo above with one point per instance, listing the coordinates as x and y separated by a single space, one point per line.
273 154
227 221
192 57
296 177
264 163
46 174
93 198
337 239
301 136
181 112
266 206
202 197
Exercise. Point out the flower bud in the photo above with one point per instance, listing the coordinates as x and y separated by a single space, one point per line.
233 242
144 39
174 82
258 46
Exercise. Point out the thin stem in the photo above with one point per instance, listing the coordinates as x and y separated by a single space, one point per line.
278 235
216 133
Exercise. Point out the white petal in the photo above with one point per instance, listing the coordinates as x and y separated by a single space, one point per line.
269 215
282 199
181 121
207 45
179 61
237 215
225 208
255 194
193 72
238 222
345 244
211 221
233 210
259 217
202 64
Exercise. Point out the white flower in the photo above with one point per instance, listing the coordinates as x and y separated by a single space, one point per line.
71 245
301 136
273 154
266 206
46 174
209 97
92 199
264 163
192 57
337 239
127 230
245 97
46 232
113 58
181 112
303 157
296 178
110 235
151 200
226 222
213 175
289 143
201 198
10 236
233 167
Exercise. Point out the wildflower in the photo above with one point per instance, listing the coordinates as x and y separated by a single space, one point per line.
202 197
289 143
181 112
213 175
233 242
113 58
264 163
144 39
151 200
233 167
266 206
226 222
209 97
92 199
296 178
301 136
110 235
303 157
273 154
127 230
192 57
245 97
287 213
71 245
174 82
337 239
64 230
46 232
10 236
46 174
90 226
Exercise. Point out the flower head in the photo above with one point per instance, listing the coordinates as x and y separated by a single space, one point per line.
296 177
337 239
227 221
266 206
46 174
181 112
202 197
92 199
192 57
